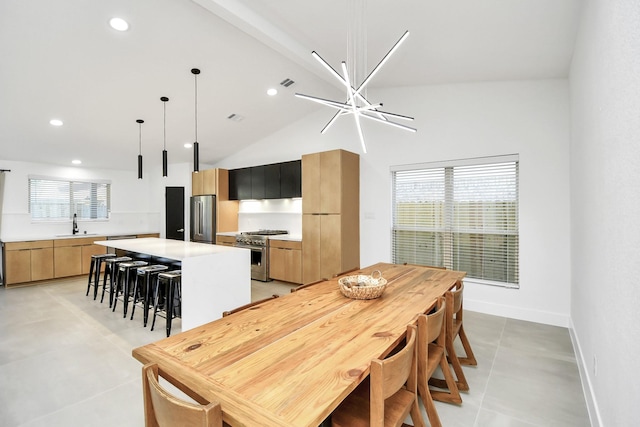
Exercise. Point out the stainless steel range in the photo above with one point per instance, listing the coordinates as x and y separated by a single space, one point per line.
258 243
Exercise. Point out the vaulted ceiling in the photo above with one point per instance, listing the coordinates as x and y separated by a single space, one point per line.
60 59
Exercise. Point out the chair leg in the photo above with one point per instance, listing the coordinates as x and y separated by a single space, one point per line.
136 289
470 360
457 368
453 395
104 282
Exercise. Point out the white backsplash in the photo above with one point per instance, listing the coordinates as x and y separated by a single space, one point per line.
277 214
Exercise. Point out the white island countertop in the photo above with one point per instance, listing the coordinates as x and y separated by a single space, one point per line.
165 248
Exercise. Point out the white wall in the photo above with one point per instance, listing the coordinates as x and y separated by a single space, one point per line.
462 121
605 207
137 206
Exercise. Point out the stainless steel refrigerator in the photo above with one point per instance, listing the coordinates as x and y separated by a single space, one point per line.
203 219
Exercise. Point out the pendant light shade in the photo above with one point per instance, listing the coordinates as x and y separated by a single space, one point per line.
140 122
196 148
164 100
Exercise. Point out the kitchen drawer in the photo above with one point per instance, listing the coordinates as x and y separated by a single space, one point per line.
285 244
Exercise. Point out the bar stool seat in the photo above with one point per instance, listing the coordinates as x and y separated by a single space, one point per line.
149 277
111 270
123 282
168 283
94 272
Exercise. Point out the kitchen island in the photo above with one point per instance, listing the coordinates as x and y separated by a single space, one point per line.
215 278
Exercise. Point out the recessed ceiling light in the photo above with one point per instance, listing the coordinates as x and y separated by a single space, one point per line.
272 92
76 162
55 122
119 24
188 145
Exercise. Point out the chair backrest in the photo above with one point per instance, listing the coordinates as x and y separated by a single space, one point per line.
162 409
246 306
428 266
431 326
391 374
456 296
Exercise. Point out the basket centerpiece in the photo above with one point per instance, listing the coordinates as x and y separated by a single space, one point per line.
363 286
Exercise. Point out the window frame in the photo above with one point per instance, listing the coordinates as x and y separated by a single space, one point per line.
99 196
443 229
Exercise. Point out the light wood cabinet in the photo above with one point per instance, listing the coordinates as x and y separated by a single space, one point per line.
41 264
28 261
331 213
225 240
285 260
216 181
72 257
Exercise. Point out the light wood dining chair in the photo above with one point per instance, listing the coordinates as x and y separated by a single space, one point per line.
163 409
431 354
428 266
455 328
388 395
248 306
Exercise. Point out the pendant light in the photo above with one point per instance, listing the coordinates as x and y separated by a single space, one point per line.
140 122
164 100
196 150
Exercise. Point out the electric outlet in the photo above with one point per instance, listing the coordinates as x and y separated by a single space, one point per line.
595 366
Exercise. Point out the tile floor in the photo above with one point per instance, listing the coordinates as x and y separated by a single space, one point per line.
65 360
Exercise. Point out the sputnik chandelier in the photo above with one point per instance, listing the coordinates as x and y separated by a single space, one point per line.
356 103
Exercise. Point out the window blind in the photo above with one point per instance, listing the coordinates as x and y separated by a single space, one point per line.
460 217
58 200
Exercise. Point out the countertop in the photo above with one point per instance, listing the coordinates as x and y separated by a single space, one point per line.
290 237
72 236
166 248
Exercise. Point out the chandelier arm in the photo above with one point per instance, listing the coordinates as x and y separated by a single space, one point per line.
382 62
354 107
393 115
327 102
326 65
388 122
332 121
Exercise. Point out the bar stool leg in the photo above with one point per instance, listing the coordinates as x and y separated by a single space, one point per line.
104 281
91 268
168 305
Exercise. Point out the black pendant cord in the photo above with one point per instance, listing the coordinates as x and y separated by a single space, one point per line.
140 122
196 147
165 168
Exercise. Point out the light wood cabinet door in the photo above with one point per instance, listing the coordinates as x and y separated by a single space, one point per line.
285 261
225 240
18 265
311 183
41 264
197 184
87 251
67 261
321 247
209 181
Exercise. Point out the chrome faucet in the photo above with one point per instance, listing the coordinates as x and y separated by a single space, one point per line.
75 224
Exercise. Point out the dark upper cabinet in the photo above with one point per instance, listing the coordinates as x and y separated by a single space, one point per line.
291 179
274 181
257 182
240 184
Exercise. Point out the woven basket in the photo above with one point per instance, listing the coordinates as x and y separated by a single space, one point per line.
362 286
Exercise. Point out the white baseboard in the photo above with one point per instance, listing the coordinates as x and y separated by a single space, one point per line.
519 313
587 387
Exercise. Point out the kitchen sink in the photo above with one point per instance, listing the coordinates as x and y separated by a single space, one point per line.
77 235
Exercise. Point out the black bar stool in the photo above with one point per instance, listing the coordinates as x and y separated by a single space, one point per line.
142 292
111 270
94 272
123 282
169 286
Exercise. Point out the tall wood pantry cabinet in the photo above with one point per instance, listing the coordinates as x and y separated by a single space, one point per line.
330 214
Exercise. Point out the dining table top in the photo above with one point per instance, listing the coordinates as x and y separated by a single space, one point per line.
290 361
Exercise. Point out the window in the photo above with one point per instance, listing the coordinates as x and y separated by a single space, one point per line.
57 200
462 215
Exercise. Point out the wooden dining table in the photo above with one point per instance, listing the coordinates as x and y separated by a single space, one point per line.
290 361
